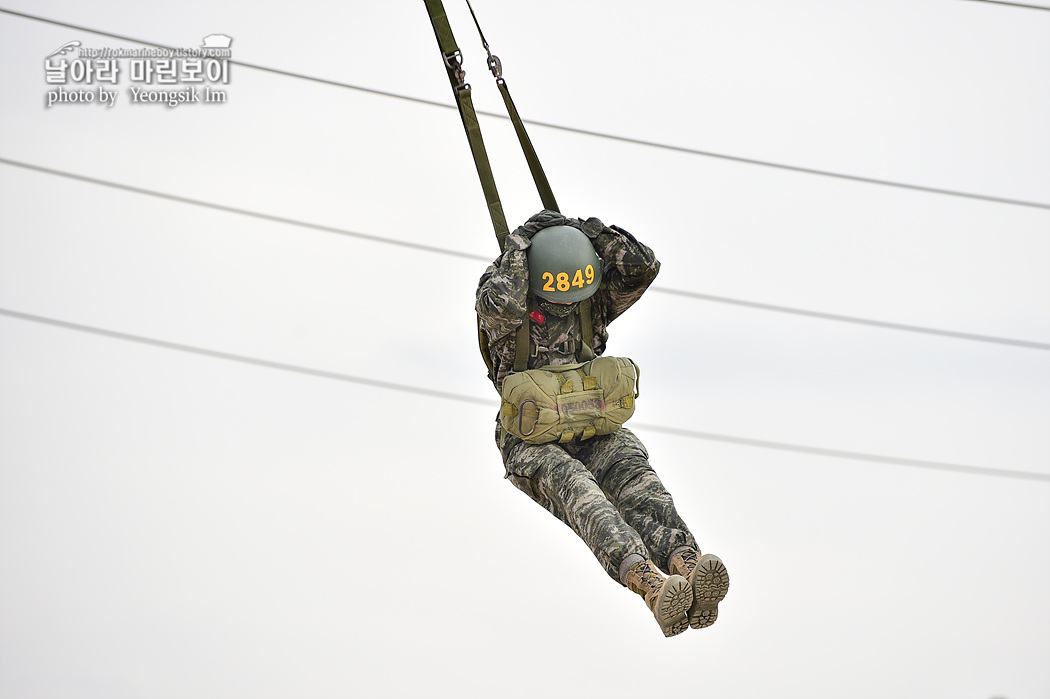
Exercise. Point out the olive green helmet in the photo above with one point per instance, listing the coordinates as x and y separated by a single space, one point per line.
563 266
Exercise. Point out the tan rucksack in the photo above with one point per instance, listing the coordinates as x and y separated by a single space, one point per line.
558 403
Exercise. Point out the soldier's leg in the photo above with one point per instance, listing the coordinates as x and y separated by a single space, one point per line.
621 466
564 486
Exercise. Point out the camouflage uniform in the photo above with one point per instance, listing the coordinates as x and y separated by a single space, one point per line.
603 488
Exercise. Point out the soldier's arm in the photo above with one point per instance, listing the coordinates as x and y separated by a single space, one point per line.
630 266
502 294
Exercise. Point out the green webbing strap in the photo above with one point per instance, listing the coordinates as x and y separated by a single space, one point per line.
453 61
538 176
523 339
481 162
586 331
442 30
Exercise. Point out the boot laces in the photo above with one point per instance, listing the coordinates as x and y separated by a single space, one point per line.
690 559
650 577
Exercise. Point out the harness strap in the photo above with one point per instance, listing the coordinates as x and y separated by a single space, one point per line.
538 176
586 331
523 338
453 60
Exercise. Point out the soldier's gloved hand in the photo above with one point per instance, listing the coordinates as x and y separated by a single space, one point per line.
592 227
518 239
602 236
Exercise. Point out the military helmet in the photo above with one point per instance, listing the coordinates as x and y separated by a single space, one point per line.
563 266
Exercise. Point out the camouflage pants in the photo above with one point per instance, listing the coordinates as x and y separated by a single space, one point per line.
605 490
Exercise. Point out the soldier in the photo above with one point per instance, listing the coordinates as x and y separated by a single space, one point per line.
603 487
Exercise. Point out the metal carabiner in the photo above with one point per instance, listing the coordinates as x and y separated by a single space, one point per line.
493 62
454 63
495 66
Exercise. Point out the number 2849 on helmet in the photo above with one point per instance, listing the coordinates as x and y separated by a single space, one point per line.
563 266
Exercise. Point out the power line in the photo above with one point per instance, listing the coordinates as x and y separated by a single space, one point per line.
570 129
246 212
1014 4
470 256
858 321
781 446
464 398
319 373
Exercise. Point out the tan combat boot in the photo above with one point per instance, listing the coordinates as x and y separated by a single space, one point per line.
708 580
667 598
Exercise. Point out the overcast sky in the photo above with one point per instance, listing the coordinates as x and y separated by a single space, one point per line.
174 524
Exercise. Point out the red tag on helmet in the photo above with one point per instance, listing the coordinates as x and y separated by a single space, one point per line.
537 316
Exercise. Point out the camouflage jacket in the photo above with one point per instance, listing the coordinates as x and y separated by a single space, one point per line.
628 268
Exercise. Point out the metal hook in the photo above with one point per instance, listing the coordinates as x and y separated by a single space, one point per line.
496 67
493 62
454 62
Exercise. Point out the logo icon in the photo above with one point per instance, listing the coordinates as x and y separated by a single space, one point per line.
217 41
65 48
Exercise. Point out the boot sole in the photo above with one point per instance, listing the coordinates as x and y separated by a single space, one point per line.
710 585
672 605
